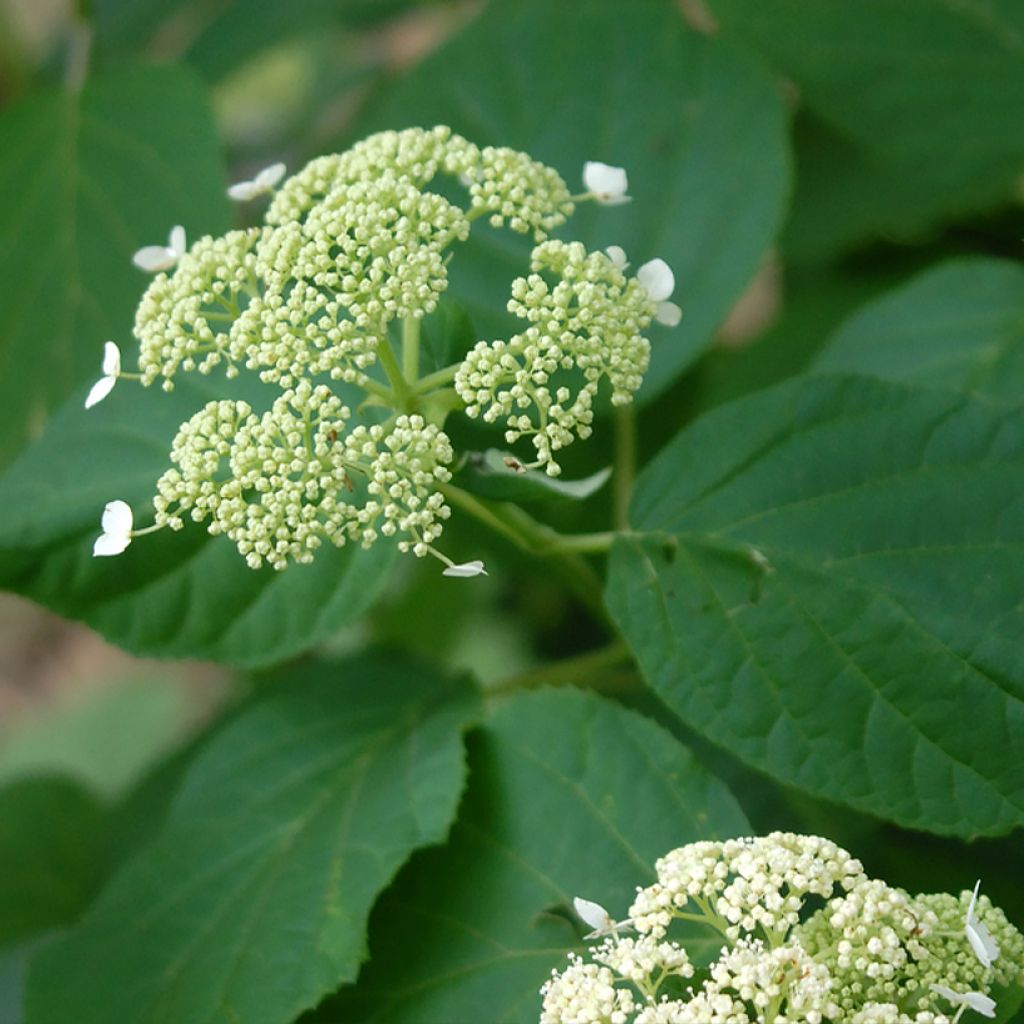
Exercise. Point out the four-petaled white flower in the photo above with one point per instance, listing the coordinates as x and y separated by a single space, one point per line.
984 946
606 185
153 258
265 181
984 1004
111 369
466 569
659 282
618 256
117 529
598 918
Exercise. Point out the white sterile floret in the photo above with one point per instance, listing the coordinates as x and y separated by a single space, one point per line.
977 1001
465 570
260 184
984 946
116 523
618 256
111 371
659 282
605 184
598 918
154 258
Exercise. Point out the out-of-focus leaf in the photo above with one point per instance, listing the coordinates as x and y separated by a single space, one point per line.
699 128
570 795
88 178
252 902
493 474
51 841
183 594
826 581
105 738
921 98
959 325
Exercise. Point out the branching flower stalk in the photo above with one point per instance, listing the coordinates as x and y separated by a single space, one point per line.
353 254
808 936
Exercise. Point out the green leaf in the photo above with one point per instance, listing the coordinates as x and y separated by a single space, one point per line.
50 855
920 99
91 177
959 325
569 795
252 902
699 128
828 583
171 594
493 474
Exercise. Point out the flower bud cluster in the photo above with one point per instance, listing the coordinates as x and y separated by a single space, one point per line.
183 320
517 190
280 484
808 937
585 321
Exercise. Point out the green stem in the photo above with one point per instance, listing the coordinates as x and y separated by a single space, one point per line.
538 540
624 463
399 385
435 380
411 349
569 671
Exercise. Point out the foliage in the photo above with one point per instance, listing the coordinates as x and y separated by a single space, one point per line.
755 572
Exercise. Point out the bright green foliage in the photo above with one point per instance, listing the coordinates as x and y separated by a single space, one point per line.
184 595
700 132
91 177
921 98
251 903
959 325
828 583
51 837
471 930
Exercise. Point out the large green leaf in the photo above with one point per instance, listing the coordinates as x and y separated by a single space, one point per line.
828 584
960 325
171 595
922 98
700 130
88 178
569 795
252 901
51 854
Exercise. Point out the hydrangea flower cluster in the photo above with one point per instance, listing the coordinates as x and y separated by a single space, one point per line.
807 936
354 252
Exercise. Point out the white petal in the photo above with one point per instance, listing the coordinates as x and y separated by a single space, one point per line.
244 190
984 1004
111 359
668 313
99 391
466 569
984 946
945 992
105 544
117 520
974 900
657 279
269 177
618 256
592 914
607 184
176 242
152 258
